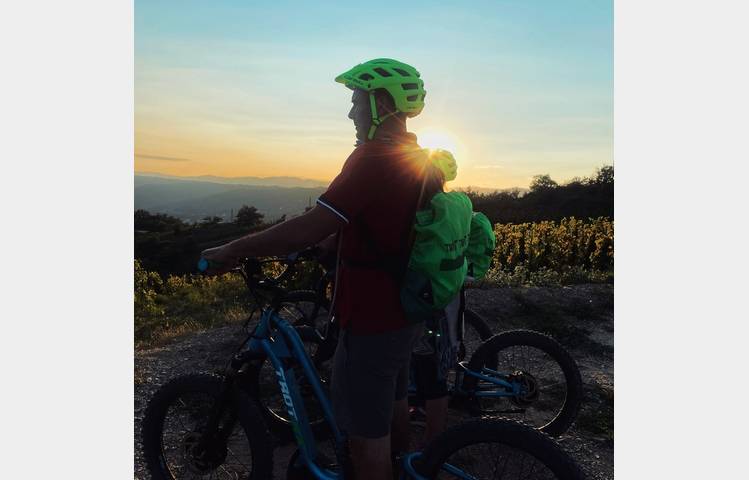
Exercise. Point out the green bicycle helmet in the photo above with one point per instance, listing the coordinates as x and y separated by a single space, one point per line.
400 80
445 162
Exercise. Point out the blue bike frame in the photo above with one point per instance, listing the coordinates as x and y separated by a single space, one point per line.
283 345
495 379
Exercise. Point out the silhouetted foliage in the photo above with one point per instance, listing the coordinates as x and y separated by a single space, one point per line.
542 182
167 245
591 197
604 176
156 222
248 217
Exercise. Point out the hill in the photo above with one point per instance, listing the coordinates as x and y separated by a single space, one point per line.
278 181
193 200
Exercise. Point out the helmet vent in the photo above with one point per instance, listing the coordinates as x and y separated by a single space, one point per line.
383 72
366 76
412 98
410 86
402 72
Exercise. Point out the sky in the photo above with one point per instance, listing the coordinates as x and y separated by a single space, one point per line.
245 88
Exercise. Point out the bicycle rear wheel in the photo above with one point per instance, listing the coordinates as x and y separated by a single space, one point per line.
494 449
475 332
550 380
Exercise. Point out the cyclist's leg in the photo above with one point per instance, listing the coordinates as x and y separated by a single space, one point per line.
400 436
433 390
371 457
366 368
436 422
400 427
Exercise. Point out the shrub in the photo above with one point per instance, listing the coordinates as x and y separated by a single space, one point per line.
553 253
165 308
543 253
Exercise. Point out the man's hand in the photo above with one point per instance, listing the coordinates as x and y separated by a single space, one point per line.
220 259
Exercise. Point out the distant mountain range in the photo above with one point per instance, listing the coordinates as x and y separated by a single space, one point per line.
264 181
194 198
521 190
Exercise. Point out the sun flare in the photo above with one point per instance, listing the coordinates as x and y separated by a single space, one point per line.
434 138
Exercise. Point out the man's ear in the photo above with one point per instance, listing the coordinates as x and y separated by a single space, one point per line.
384 103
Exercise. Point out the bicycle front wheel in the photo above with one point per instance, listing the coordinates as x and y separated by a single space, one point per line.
493 449
176 444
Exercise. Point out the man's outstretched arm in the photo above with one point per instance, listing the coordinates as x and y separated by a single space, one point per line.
292 235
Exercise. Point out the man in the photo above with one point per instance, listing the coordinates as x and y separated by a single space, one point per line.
371 204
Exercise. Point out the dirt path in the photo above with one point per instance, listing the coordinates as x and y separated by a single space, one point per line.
580 317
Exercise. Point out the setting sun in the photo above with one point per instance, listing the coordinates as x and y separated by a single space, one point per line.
433 138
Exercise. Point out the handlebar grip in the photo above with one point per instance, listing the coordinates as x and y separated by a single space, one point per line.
204 264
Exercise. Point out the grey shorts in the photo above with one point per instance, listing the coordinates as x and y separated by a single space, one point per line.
370 372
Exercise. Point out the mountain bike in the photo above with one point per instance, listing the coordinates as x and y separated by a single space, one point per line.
206 426
308 311
521 374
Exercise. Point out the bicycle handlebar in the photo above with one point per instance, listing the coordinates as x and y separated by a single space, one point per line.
250 268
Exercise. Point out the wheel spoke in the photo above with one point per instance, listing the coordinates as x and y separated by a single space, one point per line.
184 421
544 383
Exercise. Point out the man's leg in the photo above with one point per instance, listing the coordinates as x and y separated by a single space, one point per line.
400 430
371 458
400 426
365 373
436 418
435 394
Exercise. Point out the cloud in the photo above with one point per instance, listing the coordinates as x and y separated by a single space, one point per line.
157 157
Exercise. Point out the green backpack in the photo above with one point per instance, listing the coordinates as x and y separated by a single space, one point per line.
481 245
437 264
449 242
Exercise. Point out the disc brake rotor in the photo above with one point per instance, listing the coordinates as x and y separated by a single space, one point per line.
528 389
202 460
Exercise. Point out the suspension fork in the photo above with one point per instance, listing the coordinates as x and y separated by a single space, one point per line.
213 431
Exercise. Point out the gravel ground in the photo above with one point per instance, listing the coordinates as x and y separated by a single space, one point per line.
580 317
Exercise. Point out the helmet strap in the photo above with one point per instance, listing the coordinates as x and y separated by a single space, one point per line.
376 120
375 117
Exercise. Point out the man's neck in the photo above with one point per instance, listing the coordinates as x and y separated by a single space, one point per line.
393 126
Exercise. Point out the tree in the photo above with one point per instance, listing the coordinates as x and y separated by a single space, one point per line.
576 181
543 182
158 222
604 175
248 217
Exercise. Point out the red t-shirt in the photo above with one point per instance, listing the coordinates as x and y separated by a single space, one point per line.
379 187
